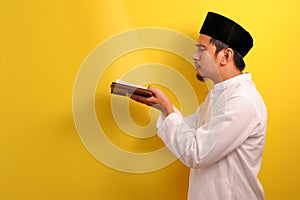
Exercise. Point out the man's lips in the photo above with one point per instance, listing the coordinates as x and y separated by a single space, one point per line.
197 65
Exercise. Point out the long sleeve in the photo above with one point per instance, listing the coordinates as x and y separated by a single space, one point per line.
228 126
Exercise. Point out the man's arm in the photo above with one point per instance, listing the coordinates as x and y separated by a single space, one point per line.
213 140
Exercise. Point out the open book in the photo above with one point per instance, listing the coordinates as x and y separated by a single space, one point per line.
120 87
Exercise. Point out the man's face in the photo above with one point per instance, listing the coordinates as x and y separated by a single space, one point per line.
205 60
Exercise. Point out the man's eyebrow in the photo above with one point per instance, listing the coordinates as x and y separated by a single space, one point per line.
200 45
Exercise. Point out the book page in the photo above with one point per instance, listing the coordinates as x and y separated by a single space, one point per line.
130 84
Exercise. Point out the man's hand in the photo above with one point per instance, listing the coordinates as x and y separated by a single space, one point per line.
159 100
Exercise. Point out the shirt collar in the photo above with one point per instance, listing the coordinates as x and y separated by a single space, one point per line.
232 81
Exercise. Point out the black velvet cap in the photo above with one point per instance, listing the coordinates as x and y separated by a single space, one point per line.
228 32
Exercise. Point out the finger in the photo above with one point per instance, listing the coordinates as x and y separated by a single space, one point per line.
154 90
141 99
151 88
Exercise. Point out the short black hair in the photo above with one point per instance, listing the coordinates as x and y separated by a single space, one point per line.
237 58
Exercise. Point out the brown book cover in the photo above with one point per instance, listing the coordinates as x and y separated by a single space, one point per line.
123 88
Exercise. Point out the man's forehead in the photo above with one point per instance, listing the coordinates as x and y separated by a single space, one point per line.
205 41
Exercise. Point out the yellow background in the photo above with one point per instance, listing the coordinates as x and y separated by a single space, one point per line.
43 44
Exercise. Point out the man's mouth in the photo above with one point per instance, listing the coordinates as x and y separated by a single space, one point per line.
197 65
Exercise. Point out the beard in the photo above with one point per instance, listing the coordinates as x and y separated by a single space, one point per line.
199 77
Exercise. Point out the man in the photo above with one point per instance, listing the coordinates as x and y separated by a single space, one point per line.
223 141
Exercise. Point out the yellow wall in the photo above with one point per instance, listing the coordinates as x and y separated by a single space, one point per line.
44 43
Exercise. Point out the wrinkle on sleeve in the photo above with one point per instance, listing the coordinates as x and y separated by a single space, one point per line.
227 128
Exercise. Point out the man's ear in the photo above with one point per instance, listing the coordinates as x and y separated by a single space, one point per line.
227 56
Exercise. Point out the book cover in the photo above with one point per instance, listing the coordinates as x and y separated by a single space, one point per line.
122 88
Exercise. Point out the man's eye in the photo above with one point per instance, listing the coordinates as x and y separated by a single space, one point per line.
200 48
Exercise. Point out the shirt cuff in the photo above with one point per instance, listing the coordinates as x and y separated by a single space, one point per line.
165 123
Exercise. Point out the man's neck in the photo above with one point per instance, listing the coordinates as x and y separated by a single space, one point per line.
225 75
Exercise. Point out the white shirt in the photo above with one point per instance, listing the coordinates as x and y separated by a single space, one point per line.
222 142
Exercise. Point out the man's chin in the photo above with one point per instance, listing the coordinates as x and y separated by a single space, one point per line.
200 78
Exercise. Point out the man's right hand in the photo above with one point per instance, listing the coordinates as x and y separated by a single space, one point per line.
159 100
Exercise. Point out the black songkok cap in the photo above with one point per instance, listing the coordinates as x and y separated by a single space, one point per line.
228 32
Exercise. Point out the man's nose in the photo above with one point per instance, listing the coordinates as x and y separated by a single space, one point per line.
196 56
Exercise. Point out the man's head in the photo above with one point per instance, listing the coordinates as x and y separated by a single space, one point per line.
222 44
